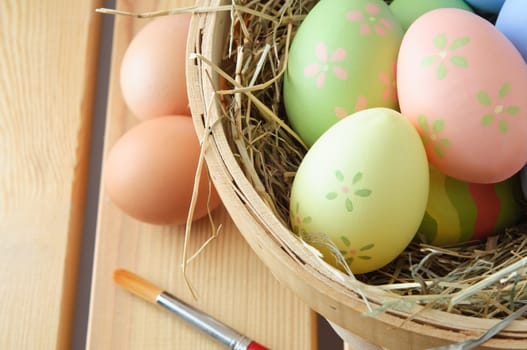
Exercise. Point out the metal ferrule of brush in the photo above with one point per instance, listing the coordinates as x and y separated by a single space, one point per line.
204 322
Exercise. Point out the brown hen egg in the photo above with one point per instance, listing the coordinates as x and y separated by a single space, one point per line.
150 171
152 75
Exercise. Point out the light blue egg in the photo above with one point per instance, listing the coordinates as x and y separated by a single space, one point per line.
512 21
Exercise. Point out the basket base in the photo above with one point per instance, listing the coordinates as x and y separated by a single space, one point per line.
353 340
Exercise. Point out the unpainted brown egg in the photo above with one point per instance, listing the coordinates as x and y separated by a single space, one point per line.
152 75
149 172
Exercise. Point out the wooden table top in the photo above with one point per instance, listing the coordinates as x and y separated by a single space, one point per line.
48 65
48 61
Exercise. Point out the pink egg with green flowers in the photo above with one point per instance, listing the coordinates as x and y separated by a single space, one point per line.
463 85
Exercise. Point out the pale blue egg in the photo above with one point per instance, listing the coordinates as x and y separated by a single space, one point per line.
512 21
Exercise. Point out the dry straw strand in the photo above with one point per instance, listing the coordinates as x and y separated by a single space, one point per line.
204 142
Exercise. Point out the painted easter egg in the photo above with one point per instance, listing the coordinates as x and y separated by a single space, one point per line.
407 11
462 84
512 21
459 211
342 191
491 6
341 60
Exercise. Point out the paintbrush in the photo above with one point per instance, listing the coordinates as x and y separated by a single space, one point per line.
151 293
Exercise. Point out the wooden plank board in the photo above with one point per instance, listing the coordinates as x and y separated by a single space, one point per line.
231 282
48 56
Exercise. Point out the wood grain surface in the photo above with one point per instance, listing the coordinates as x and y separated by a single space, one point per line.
48 54
231 282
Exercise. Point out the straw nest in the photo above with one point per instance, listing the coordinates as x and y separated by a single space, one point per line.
482 279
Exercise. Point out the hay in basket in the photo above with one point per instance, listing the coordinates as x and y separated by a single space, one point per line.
472 294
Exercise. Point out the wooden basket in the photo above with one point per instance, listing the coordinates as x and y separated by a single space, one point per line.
291 261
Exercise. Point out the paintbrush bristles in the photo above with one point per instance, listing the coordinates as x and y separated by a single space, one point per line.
137 285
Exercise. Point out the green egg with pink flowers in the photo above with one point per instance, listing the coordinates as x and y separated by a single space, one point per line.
341 60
